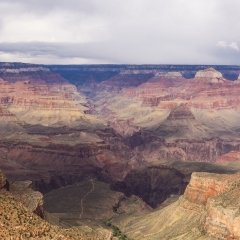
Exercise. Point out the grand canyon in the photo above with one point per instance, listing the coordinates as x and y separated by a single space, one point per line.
119 151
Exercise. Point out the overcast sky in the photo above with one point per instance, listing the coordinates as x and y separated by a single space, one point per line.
120 31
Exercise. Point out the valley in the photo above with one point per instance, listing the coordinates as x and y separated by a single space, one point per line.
125 144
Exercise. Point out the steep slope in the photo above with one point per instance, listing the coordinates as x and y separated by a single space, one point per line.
17 220
207 210
90 203
181 123
37 96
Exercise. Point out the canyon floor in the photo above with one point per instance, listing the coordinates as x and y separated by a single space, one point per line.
117 143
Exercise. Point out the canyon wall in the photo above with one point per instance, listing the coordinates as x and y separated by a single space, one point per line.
209 209
61 124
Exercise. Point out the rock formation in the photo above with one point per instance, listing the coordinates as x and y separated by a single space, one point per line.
19 207
23 192
207 210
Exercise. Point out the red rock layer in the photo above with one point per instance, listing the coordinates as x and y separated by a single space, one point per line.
216 198
207 90
38 94
232 156
202 187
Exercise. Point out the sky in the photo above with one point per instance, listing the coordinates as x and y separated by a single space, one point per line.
120 31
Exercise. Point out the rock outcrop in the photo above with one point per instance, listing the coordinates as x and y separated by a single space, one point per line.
23 193
209 209
18 223
4 184
22 213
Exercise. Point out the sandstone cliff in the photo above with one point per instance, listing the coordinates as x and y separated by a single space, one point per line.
209 209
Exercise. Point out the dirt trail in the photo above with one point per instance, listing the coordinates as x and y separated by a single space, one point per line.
84 197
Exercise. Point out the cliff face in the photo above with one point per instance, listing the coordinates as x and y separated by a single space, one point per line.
219 195
223 220
3 181
205 185
207 91
209 209
37 96
153 184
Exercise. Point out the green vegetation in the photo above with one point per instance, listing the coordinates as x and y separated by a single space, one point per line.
117 232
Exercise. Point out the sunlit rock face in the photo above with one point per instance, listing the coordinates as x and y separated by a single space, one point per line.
208 209
219 194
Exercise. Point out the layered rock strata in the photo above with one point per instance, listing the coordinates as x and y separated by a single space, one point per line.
209 209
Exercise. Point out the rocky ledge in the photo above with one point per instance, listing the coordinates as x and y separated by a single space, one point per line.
22 192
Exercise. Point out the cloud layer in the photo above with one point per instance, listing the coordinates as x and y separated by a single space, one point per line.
114 31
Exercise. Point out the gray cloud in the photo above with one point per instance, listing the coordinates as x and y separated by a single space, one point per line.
114 31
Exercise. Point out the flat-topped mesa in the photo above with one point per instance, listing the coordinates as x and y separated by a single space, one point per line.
157 87
165 80
203 186
211 74
37 75
24 69
168 74
132 72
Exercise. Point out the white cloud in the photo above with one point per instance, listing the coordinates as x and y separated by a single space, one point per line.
234 46
224 44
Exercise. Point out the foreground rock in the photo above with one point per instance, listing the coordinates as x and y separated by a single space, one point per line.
21 213
18 223
4 184
22 192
